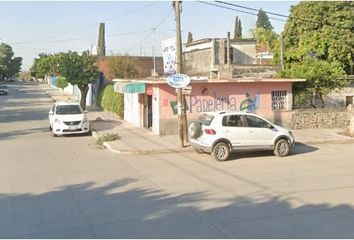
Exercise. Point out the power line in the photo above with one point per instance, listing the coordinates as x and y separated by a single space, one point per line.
152 30
76 29
108 36
236 10
253 9
272 13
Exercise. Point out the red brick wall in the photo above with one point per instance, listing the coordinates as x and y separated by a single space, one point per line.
143 65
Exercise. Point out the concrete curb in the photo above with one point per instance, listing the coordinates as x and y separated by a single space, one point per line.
107 145
338 141
148 152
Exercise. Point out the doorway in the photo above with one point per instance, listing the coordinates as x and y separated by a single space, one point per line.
147 111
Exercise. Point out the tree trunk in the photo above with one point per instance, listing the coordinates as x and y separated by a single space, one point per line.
313 100
322 101
83 90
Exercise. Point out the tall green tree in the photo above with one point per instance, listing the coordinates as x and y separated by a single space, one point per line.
266 39
321 78
80 70
61 83
190 37
44 64
324 30
237 29
122 67
10 66
101 45
263 20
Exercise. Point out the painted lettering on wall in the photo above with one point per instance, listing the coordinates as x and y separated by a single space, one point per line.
202 104
197 104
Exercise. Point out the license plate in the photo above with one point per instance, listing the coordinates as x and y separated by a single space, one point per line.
72 128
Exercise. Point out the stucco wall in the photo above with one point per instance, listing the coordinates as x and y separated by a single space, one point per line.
222 96
198 62
244 52
321 118
337 98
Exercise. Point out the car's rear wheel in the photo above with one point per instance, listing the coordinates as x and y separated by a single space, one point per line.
221 151
282 148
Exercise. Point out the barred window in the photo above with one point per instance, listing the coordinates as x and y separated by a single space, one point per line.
280 100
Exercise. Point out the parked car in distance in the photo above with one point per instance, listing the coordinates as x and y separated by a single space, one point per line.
220 133
68 118
4 90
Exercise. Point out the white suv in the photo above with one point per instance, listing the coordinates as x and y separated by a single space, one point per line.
220 133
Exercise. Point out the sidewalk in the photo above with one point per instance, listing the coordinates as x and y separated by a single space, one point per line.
136 140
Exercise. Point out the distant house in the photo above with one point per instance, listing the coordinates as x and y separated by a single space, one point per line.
341 97
143 65
220 58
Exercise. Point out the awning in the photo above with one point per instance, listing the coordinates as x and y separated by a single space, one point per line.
119 87
135 88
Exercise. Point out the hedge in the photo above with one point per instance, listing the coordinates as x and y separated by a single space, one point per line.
110 100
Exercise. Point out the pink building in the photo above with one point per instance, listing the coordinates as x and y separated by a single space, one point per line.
152 103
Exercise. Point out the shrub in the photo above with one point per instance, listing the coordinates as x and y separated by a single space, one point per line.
61 83
108 137
110 100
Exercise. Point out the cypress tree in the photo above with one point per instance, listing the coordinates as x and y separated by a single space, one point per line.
263 20
238 29
101 45
190 37
239 35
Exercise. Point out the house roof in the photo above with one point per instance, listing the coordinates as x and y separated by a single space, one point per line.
204 80
205 40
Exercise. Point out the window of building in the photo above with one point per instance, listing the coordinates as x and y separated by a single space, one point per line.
280 100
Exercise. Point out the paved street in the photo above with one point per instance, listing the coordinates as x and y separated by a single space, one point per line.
68 187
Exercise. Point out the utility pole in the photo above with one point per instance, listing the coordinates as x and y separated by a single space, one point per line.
179 69
153 51
281 51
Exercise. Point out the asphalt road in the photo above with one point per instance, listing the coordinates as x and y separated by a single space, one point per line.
68 187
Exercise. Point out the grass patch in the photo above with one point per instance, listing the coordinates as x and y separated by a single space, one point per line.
108 137
346 132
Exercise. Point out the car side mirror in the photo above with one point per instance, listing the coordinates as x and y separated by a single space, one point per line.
270 126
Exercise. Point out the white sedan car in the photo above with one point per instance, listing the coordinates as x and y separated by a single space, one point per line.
68 118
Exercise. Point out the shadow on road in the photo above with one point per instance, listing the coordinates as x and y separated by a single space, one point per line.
123 210
102 125
298 149
19 133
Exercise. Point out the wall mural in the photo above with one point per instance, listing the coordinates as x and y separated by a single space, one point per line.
204 103
248 105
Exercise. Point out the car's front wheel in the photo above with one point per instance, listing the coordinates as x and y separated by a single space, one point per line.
221 151
282 148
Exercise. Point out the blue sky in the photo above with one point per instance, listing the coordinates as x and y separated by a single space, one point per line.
34 27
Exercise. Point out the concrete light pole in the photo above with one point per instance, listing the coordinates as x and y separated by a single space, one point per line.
179 69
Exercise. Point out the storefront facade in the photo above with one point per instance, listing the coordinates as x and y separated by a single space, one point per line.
152 103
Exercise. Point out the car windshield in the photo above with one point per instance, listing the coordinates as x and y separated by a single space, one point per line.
205 119
68 109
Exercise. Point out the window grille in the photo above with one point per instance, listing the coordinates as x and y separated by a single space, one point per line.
280 100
